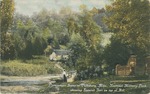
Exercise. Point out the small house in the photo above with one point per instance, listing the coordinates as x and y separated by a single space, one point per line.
59 54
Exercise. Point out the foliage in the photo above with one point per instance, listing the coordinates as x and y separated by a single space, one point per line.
72 25
128 20
89 30
78 46
28 41
89 72
91 33
7 8
63 39
52 69
7 47
46 33
39 45
48 50
116 53
85 43
6 19
31 36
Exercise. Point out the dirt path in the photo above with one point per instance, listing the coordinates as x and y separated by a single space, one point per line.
15 84
35 78
58 66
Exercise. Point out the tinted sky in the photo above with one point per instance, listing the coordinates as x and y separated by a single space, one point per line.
28 7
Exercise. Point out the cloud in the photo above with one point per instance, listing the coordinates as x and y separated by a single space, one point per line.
97 2
28 7
75 2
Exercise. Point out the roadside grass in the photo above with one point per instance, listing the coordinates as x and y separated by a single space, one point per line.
39 65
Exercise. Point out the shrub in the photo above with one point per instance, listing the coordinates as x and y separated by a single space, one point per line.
51 68
90 73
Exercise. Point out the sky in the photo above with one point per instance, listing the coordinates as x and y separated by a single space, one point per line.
28 7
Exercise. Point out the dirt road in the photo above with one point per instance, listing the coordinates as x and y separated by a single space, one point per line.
15 84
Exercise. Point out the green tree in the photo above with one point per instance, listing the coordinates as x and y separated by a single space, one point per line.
116 53
7 8
39 45
128 19
7 46
6 19
20 24
46 33
87 54
63 39
89 30
78 46
20 45
72 25
28 40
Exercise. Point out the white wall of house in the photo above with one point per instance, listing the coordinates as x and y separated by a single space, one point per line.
53 56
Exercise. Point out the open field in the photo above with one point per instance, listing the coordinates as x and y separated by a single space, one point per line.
39 65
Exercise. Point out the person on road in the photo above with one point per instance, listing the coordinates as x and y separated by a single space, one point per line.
64 76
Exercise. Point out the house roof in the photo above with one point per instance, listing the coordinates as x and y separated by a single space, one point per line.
133 56
62 52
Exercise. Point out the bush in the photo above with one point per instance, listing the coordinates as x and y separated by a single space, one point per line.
90 73
16 68
51 68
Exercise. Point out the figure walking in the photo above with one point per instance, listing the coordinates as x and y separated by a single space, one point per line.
64 76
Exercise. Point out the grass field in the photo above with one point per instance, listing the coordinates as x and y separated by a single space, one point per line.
39 65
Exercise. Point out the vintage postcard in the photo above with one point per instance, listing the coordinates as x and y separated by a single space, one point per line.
74 47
